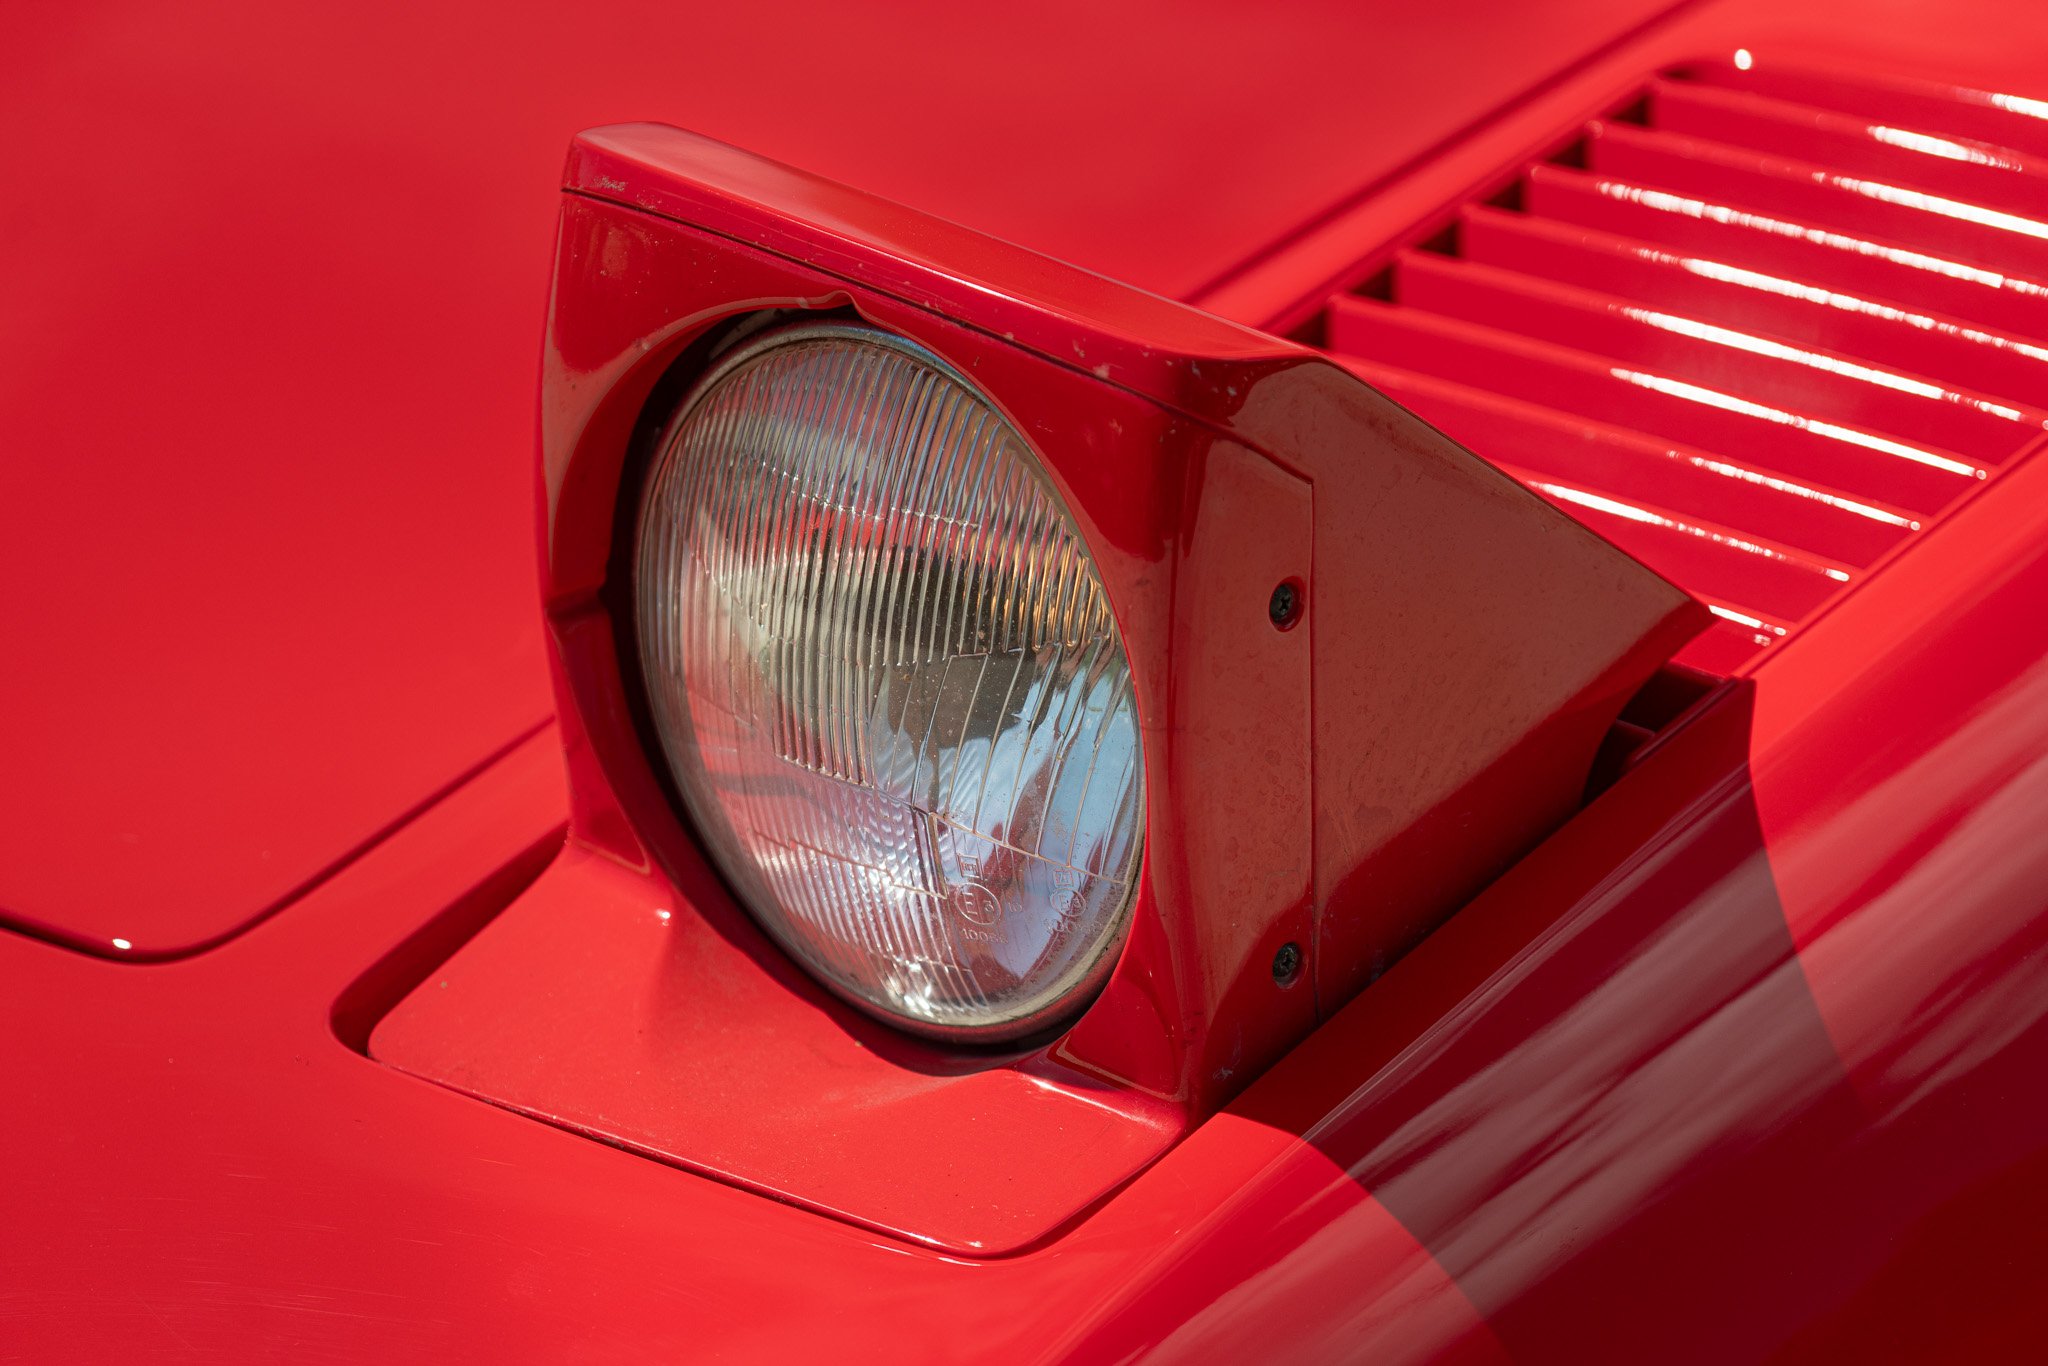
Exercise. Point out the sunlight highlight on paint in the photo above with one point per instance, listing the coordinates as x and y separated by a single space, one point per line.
1614 507
1786 486
1664 202
1939 147
1757 624
1848 303
1713 398
2020 104
1937 204
1763 346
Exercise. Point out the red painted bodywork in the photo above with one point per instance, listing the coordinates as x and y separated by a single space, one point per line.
1205 463
274 283
1743 1062
1739 324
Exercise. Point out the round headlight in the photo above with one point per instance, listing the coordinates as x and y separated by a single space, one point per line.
888 683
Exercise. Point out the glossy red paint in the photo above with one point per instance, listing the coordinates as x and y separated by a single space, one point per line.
275 279
1703 1046
202 1166
256 262
1760 1081
1205 464
1989 45
1746 334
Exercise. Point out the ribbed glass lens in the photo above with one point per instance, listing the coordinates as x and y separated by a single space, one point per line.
889 685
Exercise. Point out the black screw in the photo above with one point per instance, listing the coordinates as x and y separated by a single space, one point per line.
1285 606
1287 964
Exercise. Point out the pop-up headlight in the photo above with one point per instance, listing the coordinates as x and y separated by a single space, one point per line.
888 683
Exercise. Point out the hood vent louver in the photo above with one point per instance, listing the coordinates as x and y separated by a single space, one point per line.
1758 328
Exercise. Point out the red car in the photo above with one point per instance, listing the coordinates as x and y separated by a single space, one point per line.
1163 685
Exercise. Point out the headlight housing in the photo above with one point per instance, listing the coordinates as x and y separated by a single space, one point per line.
888 682
1317 785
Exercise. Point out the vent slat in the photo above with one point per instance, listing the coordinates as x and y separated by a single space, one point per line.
1912 341
1720 565
1564 448
1967 171
1756 366
1978 115
1971 233
1784 246
1724 424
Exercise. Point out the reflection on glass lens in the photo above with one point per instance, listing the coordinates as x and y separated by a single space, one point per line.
889 685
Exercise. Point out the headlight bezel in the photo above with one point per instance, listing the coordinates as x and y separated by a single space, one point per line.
1135 472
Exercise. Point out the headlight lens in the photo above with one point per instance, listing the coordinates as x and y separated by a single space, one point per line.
888 683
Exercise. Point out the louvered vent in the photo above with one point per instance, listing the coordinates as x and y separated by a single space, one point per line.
1759 328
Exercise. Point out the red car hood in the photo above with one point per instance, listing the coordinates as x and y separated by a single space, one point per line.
273 308
1742 1063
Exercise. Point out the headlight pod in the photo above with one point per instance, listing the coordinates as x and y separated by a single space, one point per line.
836 517
888 683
